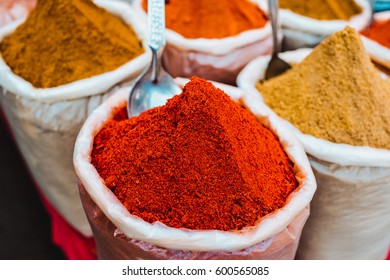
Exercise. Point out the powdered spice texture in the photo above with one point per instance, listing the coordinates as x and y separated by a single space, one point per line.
212 19
323 9
336 94
65 41
380 32
200 162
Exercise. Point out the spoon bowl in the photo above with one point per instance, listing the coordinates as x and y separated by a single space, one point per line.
276 66
146 93
154 86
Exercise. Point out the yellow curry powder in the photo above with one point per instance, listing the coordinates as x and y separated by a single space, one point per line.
336 94
64 41
323 9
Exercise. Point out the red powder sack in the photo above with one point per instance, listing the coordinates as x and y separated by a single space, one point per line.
212 19
380 32
200 162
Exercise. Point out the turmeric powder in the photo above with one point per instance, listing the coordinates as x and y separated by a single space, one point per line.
323 9
212 19
65 41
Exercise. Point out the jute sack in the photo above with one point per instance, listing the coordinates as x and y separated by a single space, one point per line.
301 31
120 235
379 53
350 211
214 59
45 122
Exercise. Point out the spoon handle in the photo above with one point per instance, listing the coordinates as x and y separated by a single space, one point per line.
372 4
156 22
273 14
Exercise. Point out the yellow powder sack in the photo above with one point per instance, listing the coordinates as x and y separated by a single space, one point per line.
336 94
65 41
323 9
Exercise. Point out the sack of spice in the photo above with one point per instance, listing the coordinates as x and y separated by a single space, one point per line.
12 10
201 177
338 105
307 23
213 39
56 67
376 39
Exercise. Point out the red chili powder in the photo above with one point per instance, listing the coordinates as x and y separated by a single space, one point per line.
212 19
200 162
380 32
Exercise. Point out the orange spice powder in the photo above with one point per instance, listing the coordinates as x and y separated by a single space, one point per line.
212 19
380 32
199 162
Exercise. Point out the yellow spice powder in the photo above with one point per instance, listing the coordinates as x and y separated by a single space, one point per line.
65 41
336 94
323 9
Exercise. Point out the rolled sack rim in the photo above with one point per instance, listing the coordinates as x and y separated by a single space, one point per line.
294 21
379 53
186 239
217 47
85 87
342 154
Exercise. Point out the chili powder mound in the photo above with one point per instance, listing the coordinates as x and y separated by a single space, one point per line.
199 162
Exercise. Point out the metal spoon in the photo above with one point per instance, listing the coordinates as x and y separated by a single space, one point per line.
154 86
276 66
372 4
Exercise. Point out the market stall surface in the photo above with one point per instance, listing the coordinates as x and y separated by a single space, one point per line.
24 223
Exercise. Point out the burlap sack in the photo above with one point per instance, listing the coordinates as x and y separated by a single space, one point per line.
45 122
120 235
214 59
350 210
379 53
300 31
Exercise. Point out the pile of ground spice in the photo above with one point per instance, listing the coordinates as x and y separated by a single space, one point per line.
336 94
323 9
199 162
380 32
212 19
65 41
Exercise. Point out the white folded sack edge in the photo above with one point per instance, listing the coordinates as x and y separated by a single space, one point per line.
184 239
293 21
379 53
342 154
217 47
85 87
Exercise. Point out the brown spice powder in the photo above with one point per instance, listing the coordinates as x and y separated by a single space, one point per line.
336 94
323 9
65 41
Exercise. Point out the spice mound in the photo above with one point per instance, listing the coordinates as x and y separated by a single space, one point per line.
199 162
212 19
380 32
65 41
336 94
323 10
